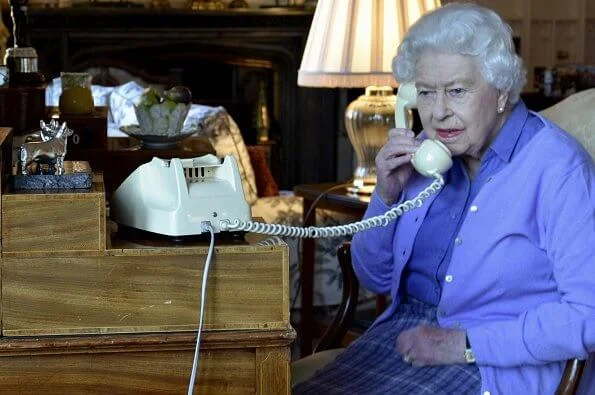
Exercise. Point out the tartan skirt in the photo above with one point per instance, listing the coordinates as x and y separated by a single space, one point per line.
372 365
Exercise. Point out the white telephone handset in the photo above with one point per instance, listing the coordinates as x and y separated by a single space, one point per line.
406 99
432 157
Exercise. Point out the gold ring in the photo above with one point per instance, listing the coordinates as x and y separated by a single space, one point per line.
407 358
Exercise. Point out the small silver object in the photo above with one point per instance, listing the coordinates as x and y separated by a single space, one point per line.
407 358
49 150
21 59
45 132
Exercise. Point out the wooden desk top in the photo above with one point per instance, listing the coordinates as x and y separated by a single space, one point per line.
129 241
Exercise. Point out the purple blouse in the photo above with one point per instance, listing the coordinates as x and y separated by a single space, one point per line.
426 269
521 278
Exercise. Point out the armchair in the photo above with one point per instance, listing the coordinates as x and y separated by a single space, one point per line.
575 115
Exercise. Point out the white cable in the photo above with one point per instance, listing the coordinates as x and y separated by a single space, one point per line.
336 231
206 226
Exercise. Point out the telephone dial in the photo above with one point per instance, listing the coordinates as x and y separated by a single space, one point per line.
177 197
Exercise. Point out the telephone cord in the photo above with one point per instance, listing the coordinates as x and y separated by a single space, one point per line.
206 226
341 230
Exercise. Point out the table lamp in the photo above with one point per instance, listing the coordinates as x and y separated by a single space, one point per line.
351 44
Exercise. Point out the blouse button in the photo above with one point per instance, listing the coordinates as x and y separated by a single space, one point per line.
473 209
458 241
448 278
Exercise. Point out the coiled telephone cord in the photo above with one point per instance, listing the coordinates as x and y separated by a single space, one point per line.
340 230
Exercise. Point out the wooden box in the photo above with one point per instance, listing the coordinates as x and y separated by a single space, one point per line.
42 224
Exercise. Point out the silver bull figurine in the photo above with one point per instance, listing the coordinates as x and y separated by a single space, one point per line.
50 149
46 131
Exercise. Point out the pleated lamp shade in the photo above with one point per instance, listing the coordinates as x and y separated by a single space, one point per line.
352 43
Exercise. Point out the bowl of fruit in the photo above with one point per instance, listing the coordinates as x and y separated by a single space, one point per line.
161 118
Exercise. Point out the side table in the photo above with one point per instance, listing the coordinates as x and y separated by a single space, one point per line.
336 199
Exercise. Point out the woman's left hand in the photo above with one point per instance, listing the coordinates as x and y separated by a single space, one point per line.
426 345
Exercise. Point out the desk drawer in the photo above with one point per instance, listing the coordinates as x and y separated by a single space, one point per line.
230 363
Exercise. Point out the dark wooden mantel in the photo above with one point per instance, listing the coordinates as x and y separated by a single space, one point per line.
128 18
189 43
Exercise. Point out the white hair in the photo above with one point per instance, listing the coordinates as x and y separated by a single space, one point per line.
470 30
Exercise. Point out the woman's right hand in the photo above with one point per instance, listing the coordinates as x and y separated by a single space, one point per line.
393 164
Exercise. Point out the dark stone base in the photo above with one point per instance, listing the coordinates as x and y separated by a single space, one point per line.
77 175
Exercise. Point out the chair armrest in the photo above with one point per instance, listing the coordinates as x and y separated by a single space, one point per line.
346 313
571 377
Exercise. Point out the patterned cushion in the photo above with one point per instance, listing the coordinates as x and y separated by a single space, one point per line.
225 136
328 283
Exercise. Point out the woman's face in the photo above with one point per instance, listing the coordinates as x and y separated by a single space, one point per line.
456 105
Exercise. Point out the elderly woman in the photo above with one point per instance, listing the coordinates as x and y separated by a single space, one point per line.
492 279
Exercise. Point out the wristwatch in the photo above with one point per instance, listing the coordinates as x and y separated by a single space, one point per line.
469 356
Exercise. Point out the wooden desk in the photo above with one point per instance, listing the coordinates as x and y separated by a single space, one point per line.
123 320
118 313
337 200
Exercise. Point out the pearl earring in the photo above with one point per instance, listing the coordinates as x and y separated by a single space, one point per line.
500 110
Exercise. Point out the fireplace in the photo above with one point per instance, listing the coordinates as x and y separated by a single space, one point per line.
223 57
